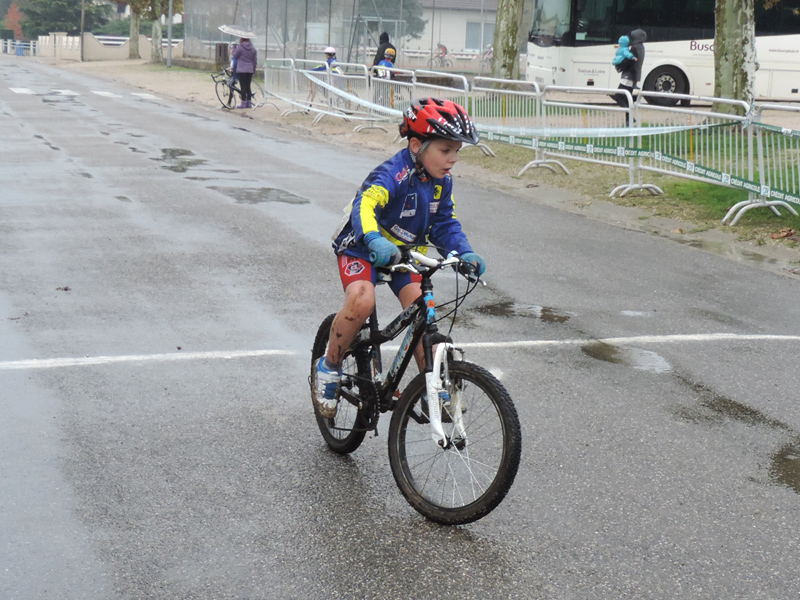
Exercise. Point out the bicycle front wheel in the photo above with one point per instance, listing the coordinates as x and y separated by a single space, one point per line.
345 432
467 480
226 95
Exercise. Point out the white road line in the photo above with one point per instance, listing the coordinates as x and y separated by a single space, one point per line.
642 339
22 91
53 363
145 96
107 94
65 92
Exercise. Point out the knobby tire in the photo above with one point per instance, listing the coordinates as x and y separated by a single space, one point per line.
468 480
345 432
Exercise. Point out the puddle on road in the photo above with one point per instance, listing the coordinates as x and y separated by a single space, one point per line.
516 309
178 160
259 195
785 467
727 249
643 360
59 99
713 409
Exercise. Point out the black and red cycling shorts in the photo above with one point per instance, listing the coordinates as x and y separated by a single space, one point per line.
352 268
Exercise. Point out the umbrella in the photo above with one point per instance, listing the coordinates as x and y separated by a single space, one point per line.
237 31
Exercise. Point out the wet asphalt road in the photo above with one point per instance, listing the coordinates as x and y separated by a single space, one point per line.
143 242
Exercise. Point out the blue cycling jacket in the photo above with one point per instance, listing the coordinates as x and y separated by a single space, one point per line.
405 209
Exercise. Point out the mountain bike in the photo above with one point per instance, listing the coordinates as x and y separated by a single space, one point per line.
229 92
454 436
440 58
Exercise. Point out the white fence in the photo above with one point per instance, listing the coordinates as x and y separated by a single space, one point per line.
747 152
17 48
68 47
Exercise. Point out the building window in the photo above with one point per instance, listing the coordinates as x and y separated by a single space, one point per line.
473 41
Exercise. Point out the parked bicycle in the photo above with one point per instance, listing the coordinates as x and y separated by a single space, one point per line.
229 92
454 435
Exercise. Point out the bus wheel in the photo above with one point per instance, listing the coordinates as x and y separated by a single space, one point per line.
670 80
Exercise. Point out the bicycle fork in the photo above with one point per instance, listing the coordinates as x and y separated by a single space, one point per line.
442 393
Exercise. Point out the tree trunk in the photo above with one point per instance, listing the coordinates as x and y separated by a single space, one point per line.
734 52
133 48
158 55
505 64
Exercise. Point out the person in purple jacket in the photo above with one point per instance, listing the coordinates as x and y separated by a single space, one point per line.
246 59
406 201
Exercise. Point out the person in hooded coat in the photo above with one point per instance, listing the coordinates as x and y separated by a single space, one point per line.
381 53
246 60
630 77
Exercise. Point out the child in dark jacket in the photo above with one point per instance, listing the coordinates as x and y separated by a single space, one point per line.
407 200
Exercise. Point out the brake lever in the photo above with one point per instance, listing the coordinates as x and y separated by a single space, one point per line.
468 272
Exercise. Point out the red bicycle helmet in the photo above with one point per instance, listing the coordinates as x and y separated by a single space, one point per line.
432 118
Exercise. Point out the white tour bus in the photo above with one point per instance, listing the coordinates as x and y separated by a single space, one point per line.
571 43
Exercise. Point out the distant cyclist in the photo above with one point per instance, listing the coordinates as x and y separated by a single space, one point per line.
330 60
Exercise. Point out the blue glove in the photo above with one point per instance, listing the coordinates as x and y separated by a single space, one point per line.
476 262
382 252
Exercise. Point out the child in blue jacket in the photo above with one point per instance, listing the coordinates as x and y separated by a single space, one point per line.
623 52
407 200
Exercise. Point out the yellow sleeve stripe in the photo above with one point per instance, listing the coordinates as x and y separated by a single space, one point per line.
371 199
385 233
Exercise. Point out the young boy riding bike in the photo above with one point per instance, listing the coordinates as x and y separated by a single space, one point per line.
407 200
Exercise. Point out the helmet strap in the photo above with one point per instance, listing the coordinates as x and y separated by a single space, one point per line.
418 168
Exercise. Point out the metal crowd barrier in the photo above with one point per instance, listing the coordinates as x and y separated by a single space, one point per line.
441 85
338 91
353 81
777 151
504 106
579 127
392 88
279 76
695 144
741 152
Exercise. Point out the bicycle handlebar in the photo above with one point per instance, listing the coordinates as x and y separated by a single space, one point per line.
409 257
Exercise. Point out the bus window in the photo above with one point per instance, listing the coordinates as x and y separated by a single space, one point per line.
782 18
595 21
550 22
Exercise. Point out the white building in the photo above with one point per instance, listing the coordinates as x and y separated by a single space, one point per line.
457 24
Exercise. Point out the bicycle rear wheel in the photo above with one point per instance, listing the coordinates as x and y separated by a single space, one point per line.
466 481
226 95
257 96
345 432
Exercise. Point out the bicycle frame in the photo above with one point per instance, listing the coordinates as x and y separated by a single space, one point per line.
420 319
